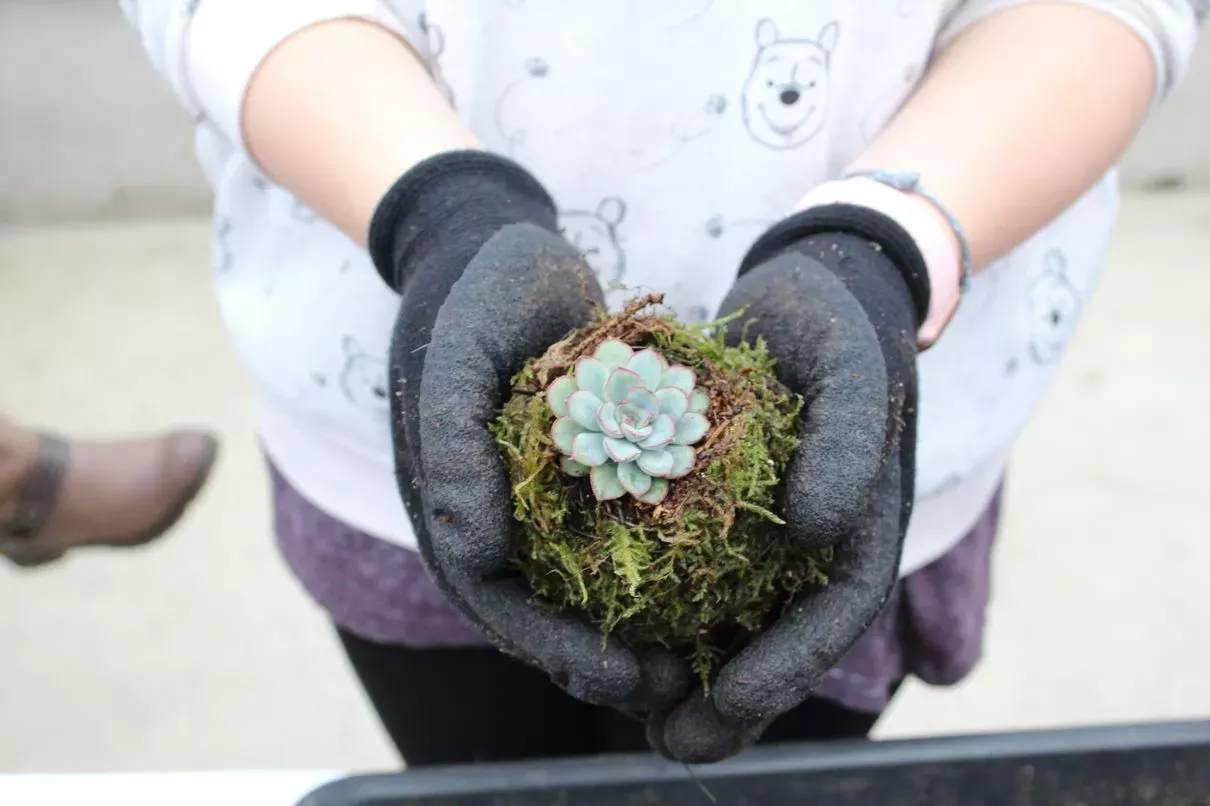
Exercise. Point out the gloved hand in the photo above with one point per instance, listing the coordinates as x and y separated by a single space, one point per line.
838 293
469 241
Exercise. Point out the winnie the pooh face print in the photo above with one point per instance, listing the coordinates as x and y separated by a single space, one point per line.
363 380
1054 304
595 234
785 99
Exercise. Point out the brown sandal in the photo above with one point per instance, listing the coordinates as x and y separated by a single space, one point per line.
35 502
43 491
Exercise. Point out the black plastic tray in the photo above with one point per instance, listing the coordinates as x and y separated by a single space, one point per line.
1163 764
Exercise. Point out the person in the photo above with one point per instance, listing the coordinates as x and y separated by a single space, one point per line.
913 198
57 495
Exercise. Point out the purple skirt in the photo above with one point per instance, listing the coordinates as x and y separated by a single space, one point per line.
932 626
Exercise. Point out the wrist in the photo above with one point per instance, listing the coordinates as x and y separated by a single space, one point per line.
934 234
448 206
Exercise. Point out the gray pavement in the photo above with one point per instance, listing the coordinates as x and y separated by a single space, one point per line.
201 652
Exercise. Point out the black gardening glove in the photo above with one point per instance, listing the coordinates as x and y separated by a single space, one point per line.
469 241
837 293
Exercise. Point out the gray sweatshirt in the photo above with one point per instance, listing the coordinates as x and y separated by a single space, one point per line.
670 134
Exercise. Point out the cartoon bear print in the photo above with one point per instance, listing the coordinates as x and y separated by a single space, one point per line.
364 378
535 68
718 226
1054 303
684 132
301 213
785 99
595 234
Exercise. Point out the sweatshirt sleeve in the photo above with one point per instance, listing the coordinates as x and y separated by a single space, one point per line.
208 50
1169 28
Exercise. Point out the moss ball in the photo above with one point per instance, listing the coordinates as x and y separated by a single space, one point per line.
708 565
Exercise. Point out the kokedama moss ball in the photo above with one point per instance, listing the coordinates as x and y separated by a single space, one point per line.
645 481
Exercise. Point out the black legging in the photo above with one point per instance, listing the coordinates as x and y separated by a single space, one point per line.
449 706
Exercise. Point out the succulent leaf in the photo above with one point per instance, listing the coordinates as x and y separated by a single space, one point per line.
636 434
673 402
699 401
633 480
656 462
591 375
683 458
572 467
583 407
691 428
656 493
607 419
628 412
649 366
605 483
613 353
557 394
620 382
645 400
679 377
662 431
589 449
563 433
622 450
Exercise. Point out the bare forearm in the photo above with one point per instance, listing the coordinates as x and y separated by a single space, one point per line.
339 111
1018 117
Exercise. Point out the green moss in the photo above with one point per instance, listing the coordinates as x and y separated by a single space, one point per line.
708 565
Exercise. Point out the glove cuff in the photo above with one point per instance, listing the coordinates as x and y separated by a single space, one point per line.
892 239
449 205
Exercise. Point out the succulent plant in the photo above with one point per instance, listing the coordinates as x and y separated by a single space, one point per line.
628 421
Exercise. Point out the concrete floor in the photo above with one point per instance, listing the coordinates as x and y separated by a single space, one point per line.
202 653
